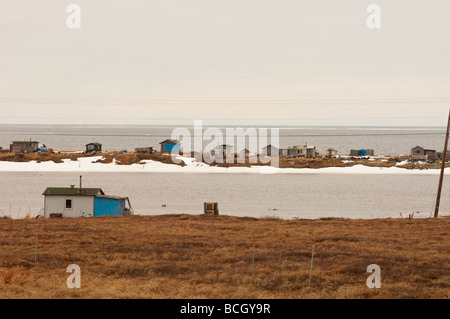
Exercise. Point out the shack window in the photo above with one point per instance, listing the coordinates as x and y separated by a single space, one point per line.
68 204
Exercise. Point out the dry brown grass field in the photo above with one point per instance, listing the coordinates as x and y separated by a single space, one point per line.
203 257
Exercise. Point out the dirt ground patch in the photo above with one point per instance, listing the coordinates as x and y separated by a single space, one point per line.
136 158
39 157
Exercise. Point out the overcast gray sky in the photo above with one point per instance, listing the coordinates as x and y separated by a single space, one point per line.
239 61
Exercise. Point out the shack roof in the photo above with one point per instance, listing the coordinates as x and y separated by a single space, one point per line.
304 147
424 149
72 191
224 146
169 141
94 143
17 142
112 197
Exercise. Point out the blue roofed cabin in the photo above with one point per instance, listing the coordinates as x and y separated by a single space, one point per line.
83 202
170 146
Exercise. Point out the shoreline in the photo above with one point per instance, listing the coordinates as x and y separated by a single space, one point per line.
410 218
92 164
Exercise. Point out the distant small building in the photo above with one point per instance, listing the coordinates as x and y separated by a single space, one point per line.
367 152
211 208
24 146
83 202
148 150
354 153
93 147
269 150
244 153
440 156
362 152
308 151
419 153
170 145
331 152
224 149
284 152
295 151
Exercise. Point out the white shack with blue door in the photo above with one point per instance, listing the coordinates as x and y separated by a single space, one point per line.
83 202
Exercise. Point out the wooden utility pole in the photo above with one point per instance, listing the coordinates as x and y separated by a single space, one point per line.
441 179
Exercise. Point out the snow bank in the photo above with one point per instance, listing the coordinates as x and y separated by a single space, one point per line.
86 164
